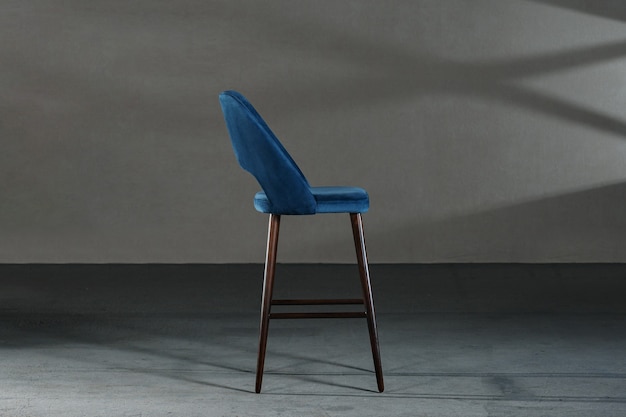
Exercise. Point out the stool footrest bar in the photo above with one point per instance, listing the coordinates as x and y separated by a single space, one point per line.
331 315
312 302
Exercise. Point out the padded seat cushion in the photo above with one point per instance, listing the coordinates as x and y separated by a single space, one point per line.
328 200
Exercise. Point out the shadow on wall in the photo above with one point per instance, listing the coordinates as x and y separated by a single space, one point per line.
552 229
610 9
389 72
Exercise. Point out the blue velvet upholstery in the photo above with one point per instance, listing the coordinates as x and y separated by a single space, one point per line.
328 200
285 189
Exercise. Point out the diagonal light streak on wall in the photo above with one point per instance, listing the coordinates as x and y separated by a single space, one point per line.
401 73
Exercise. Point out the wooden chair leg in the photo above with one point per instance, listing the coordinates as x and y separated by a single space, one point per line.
268 287
361 254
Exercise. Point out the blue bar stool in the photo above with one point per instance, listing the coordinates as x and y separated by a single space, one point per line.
285 191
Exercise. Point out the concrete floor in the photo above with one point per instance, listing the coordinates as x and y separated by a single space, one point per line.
181 340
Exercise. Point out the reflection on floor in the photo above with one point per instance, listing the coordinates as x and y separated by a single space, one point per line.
456 340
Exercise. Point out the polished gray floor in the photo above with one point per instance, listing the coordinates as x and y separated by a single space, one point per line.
181 340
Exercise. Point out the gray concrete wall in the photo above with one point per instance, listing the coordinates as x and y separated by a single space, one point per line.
484 130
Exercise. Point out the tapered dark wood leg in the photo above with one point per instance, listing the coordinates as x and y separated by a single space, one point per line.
361 254
268 287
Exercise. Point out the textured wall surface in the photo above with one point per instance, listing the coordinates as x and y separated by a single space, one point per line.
485 131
